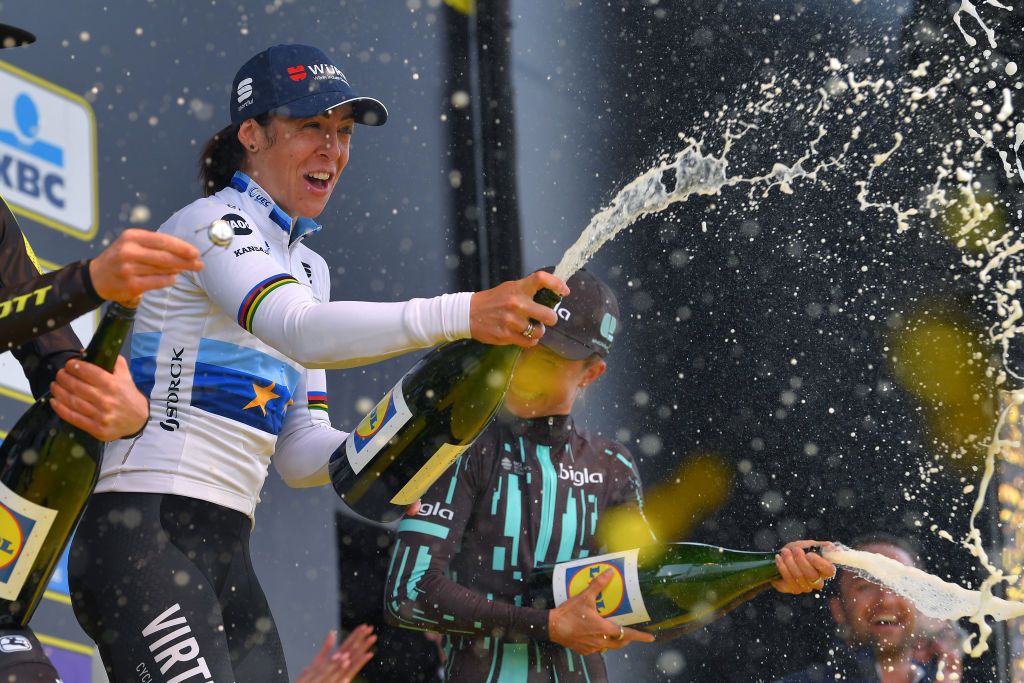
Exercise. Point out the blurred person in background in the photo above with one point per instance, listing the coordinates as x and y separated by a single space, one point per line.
233 361
35 312
882 641
531 491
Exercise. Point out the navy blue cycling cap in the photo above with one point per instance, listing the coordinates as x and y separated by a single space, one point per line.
297 81
12 36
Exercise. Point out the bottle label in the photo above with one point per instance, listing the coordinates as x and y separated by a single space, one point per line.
377 428
428 474
621 601
23 528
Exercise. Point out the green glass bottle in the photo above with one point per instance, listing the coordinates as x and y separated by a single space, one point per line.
667 588
420 427
49 468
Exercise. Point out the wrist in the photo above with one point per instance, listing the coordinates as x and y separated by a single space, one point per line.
87 279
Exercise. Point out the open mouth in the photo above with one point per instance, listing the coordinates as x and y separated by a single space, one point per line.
318 179
887 620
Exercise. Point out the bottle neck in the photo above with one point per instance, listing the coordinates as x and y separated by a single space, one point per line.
547 298
110 335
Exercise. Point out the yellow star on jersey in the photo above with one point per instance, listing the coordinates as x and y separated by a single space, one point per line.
264 395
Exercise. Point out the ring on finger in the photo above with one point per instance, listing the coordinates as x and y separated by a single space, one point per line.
622 633
528 332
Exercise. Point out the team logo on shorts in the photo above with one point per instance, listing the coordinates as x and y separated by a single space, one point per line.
12 537
12 643
613 600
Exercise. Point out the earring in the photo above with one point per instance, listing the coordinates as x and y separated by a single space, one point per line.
252 147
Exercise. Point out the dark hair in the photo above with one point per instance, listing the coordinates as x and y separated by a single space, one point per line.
222 155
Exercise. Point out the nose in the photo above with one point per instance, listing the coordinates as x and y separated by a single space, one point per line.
331 147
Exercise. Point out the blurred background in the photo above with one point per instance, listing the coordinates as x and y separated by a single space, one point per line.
790 365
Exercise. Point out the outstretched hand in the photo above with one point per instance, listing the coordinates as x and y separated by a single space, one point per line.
801 571
503 314
138 261
577 625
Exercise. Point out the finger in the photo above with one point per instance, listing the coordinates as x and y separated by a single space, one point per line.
86 384
542 279
158 241
76 396
325 649
801 569
76 419
156 261
539 312
635 635
825 569
599 583
413 509
788 583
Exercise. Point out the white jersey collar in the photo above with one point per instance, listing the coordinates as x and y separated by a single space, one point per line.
260 204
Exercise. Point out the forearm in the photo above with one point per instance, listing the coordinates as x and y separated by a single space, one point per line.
43 303
343 334
429 600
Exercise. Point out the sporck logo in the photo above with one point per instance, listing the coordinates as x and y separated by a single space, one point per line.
297 73
244 89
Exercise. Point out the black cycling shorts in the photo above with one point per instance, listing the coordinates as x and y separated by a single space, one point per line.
165 586
22 659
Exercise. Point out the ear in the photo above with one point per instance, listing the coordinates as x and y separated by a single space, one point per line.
250 133
591 374
836 608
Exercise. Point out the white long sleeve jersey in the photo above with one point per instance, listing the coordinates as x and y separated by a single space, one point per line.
232 357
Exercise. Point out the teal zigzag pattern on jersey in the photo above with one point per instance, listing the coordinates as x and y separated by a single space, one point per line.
528 492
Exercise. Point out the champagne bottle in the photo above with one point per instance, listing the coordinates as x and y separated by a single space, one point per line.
421 426
47 471
668 588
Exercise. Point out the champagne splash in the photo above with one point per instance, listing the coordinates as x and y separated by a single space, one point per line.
930 594
691 172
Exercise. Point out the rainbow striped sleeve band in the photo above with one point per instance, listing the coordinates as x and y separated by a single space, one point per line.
317 400
256 295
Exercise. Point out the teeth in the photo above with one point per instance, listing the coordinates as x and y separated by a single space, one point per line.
322 175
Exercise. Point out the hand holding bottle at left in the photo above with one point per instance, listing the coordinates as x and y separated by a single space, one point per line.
103 404
802 571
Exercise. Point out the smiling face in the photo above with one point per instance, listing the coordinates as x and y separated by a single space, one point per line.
873 616
298 161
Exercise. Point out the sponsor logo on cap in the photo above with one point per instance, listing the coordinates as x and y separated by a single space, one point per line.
563 312
244 90
326 71
297 73
608 326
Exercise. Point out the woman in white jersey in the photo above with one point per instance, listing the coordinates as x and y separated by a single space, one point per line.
232 360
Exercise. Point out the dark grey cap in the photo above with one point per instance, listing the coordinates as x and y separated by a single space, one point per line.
587 319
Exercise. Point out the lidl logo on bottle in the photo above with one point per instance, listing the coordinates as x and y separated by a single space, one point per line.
613 600
47 153
13 530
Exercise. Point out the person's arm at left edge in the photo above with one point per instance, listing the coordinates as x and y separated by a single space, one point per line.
105 405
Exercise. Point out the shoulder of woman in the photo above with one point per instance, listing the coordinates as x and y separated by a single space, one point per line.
192 219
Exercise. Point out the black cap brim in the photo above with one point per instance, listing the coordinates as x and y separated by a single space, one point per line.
567 347
368 111
12 36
